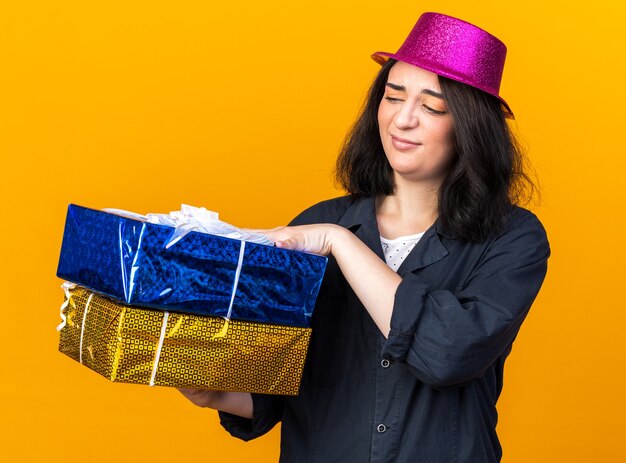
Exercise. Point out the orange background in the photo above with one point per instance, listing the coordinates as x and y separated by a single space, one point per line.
240 108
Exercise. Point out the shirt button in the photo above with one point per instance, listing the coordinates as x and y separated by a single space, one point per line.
381 428
384 363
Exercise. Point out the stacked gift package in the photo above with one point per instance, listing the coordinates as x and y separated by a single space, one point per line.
165 302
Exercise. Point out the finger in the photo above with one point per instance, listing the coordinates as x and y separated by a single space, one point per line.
254 230
199 397
282 244
186 390
189 393
278 234
261 230
288 244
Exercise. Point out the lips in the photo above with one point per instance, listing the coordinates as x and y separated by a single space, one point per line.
403 144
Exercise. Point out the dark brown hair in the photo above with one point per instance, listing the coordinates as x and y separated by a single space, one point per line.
485 179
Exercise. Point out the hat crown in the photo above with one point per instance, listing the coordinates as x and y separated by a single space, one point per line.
455 49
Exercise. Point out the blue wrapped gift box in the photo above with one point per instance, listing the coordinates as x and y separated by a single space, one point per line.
127 259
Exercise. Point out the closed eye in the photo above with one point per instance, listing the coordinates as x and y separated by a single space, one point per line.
392 99
434 111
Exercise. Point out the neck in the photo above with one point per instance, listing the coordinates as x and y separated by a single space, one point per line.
411 209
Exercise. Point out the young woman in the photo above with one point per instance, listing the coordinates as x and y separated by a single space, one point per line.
432 268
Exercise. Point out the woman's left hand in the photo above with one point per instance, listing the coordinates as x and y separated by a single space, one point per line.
317 239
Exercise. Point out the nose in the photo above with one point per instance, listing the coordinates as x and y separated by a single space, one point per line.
406 117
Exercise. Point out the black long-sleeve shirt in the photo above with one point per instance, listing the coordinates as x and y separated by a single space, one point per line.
428 392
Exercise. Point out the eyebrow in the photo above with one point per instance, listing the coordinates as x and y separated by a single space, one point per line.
402 88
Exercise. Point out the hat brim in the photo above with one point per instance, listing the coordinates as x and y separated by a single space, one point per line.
381 57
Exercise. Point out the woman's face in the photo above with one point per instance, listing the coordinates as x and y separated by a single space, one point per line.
416 128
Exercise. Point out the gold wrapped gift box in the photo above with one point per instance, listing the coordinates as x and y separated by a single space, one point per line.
122 343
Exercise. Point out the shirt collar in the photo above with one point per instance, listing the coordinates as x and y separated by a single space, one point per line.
360 218
362 211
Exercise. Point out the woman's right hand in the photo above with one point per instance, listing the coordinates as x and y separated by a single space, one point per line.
201 397
237 403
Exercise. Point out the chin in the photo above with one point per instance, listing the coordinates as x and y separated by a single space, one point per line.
419 177
406 171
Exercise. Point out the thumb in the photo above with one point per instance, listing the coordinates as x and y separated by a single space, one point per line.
287 244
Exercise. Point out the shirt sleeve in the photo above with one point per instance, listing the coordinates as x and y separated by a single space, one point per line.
448 338
267 411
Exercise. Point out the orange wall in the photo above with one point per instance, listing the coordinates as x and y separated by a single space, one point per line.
143 105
